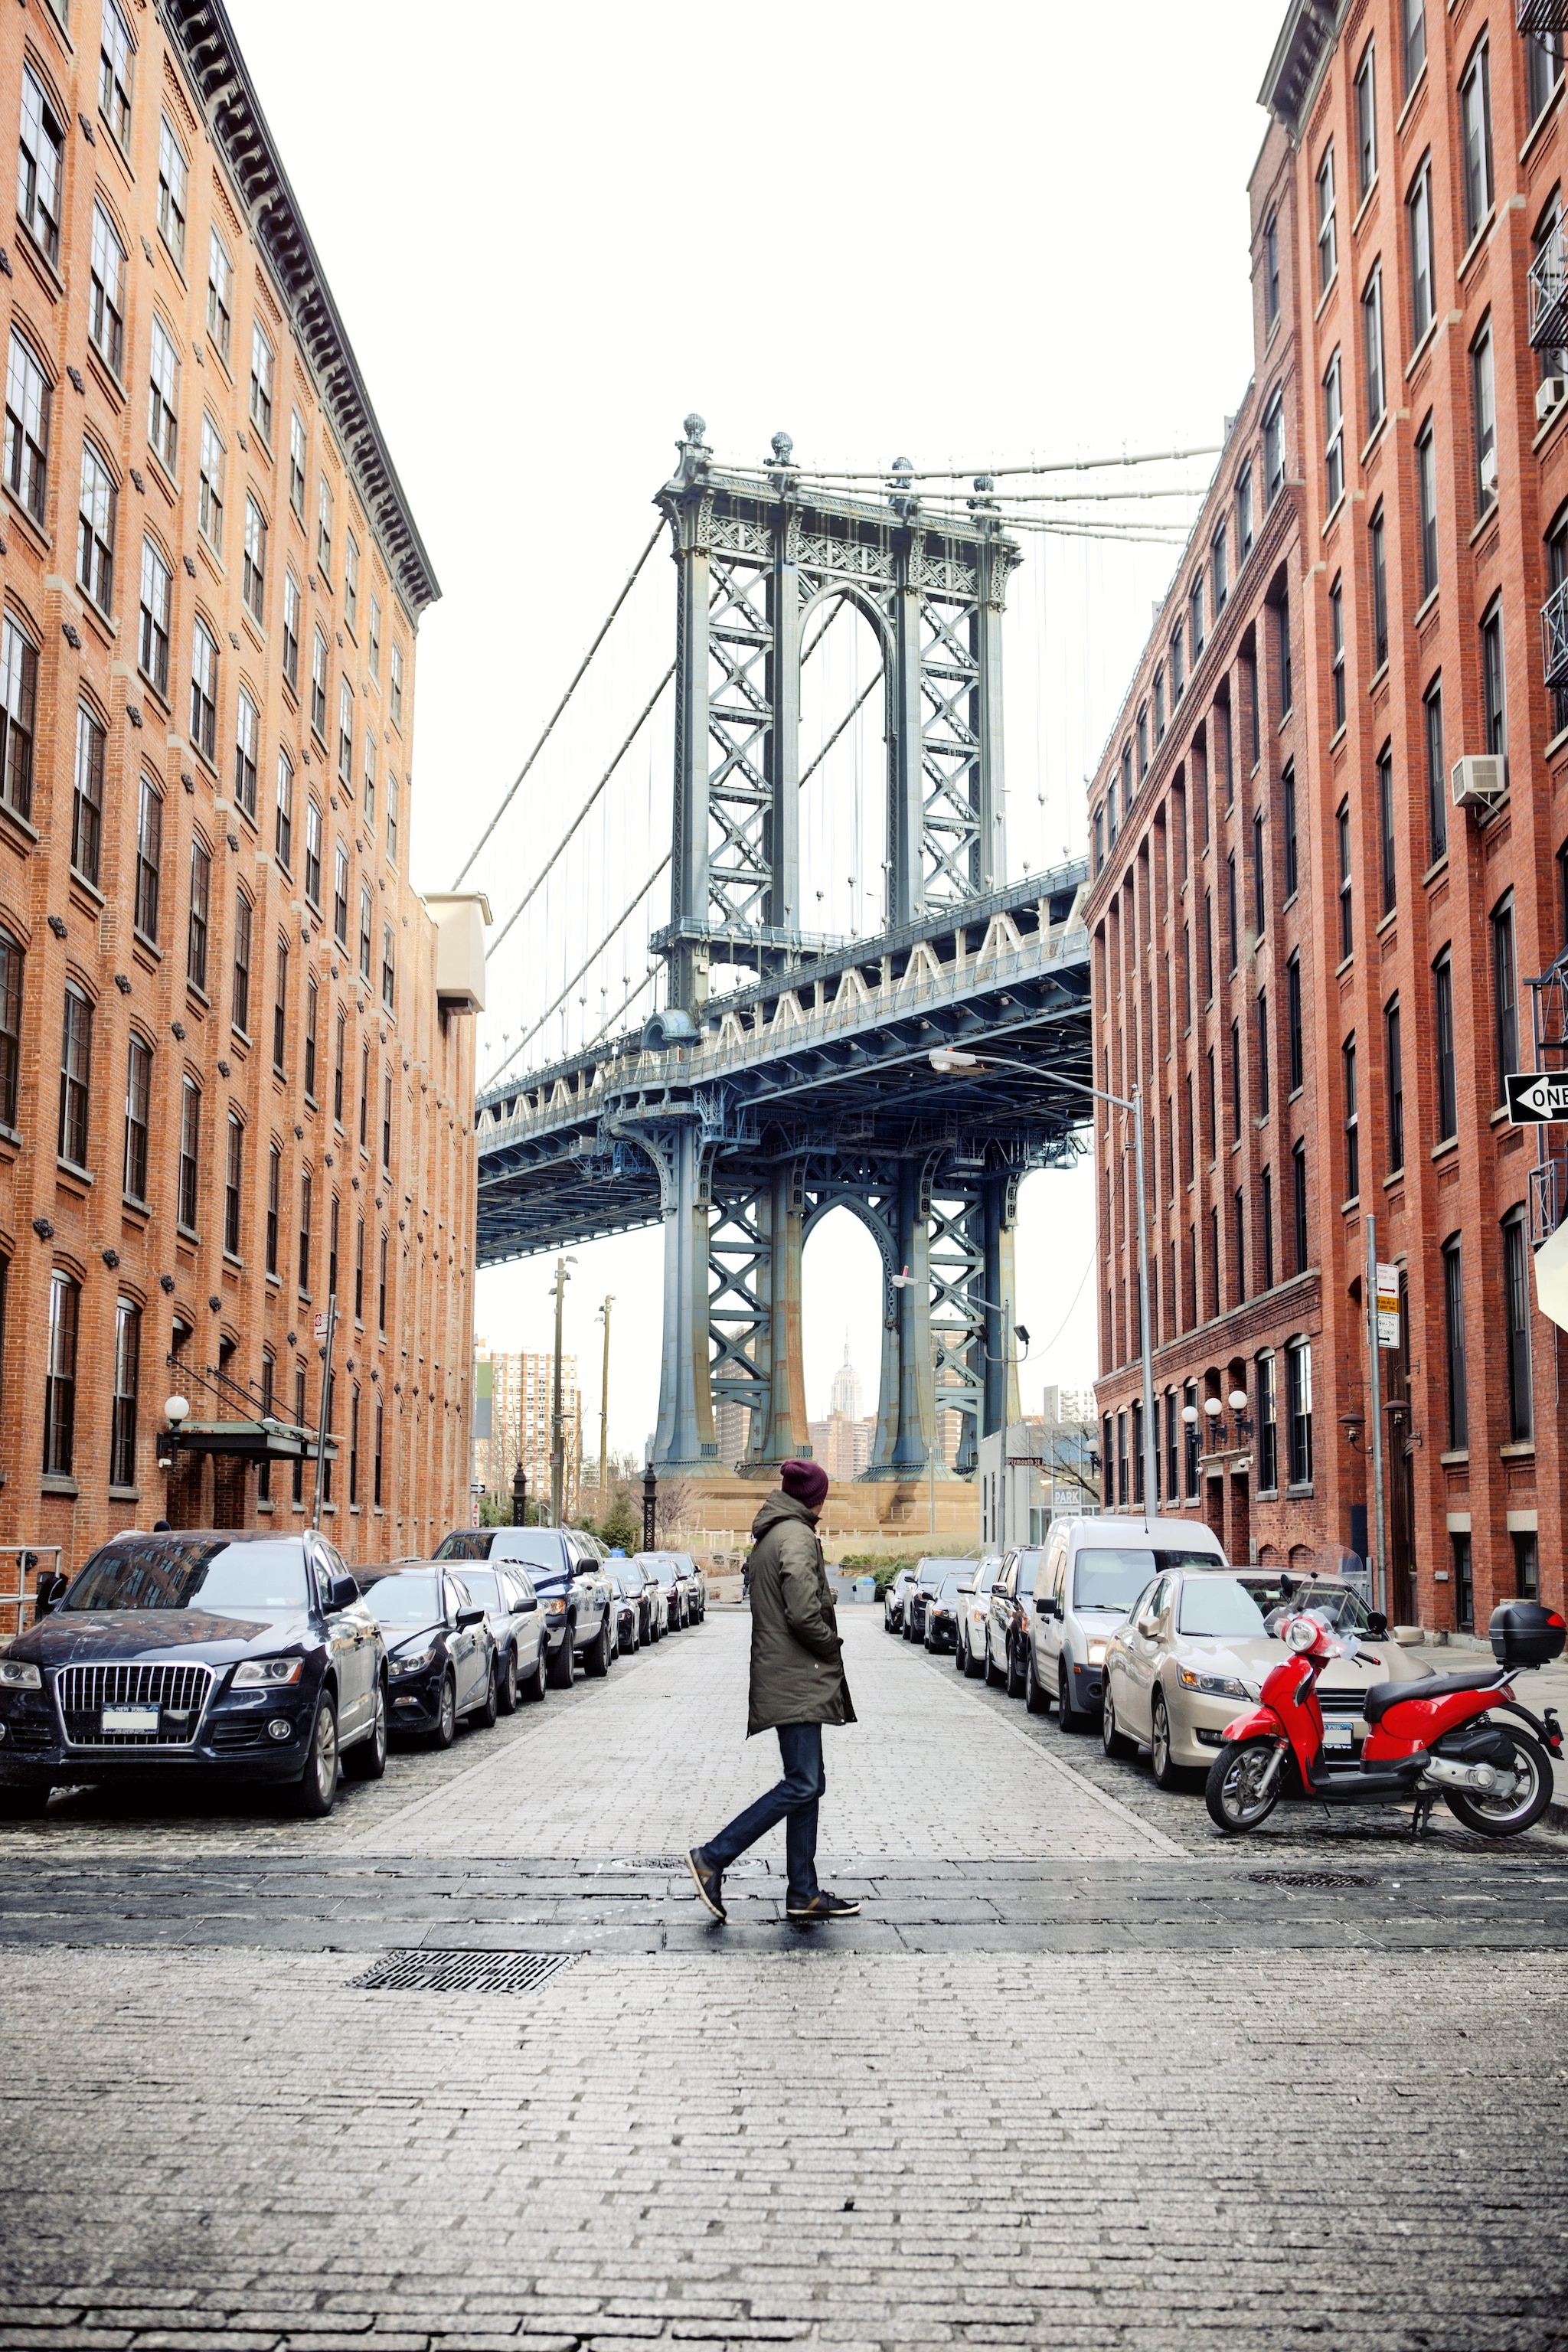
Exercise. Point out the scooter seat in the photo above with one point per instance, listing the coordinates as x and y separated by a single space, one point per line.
1376 1702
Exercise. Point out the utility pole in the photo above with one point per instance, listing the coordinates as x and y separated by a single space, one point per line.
1374 1399
604 1409
557 1417
326 1326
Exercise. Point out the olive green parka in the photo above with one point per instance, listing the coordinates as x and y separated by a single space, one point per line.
797 1665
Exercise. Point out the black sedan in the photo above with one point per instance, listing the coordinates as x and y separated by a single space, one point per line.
201 1652
441 1660
941 1614
631 1604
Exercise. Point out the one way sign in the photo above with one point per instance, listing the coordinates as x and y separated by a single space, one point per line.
1536 1098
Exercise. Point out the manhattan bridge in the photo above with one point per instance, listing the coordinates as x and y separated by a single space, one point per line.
739 1116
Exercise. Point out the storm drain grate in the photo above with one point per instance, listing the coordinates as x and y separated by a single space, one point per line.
1309 1878
455 1971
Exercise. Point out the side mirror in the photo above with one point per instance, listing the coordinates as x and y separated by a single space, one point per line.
342 1592
1148 1627
966 1588
1377 1625
51 1592
467 1617
526 1608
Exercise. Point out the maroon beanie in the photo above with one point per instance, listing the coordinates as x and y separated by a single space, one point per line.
806 1481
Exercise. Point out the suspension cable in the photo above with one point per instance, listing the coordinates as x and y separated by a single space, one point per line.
957 473
864 696
632 904
565 699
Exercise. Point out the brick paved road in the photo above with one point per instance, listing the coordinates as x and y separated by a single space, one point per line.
1082 2075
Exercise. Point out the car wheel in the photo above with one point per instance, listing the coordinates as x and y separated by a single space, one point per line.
506 1694
1015 1672
1035 1698
483 1716
561 1663
596 1658
974 1667
366 1759
961 1658
1114 1742
22 1804
446 1729
992 1677
1166 1774
317 1791
533 1685
1068 1715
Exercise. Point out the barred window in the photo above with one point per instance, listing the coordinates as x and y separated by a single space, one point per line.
152 647
26 428
163 396
95 530
149 858
105 301
86 800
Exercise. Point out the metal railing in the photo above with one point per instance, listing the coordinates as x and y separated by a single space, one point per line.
1541 15
1554 638
1549 293
18 1563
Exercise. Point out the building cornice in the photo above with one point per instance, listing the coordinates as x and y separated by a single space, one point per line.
205 38
1305 44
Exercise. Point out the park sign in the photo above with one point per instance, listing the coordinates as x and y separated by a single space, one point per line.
1388 1307
1537 1097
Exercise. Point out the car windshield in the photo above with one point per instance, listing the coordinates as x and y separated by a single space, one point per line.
949 1586
466 1543
408 1600
989 1571
207 1572
1220 1609
536 1548
1104 1578
484 1586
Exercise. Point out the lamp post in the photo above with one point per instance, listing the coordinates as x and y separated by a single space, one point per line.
519 1494
604 1407
557 1414
949 1060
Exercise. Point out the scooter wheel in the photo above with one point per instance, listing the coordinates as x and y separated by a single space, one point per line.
1232 1793
1507 1815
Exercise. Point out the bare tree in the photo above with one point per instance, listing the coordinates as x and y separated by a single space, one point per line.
670 1509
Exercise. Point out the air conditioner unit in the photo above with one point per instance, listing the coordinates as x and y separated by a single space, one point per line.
1550 395
1489 468
1480 781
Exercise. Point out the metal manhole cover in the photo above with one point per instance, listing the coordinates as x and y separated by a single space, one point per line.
1309 1878
455 1971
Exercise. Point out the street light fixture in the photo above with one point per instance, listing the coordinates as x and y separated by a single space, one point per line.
951 1061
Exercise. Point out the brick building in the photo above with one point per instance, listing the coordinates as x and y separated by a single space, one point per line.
1358 1029
228 1081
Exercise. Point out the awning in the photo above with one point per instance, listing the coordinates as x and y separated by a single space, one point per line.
251 1441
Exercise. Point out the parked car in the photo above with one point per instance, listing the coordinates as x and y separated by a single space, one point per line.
656 1622
1181 1666
566 1570
929 1574
673 1582
178 1655
1094 1569
1280 1594
893 1600
941 1614
628 1582
696 1587
974 1595
441 1655
517 1626
1010 1619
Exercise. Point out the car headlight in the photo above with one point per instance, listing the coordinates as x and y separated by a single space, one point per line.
407 1662
268 1673
555 1607
1097 1653
17 1674
1212 1686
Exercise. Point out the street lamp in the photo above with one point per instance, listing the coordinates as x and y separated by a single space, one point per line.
951 1060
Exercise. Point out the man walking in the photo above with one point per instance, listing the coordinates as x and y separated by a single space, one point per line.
797 1686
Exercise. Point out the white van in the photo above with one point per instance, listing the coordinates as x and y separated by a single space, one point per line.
1093 1572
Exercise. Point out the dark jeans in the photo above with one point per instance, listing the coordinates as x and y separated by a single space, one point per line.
796 1796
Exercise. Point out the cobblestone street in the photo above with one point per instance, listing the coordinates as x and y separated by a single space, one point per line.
1082 2072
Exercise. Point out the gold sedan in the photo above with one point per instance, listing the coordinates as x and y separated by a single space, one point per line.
1189 1655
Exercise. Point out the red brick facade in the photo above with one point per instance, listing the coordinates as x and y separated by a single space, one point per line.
1412 554
154 677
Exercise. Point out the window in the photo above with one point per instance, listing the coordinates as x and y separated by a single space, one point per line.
263 1468
152 651
388 966
1244 514
232 1172
368 781
386 1118
1493 713
1212 1137
172 179
340 896
1178 673
1426 506
351 580
299 1470
240 1008
375 1488
115 65
1299 1371
149 858
359 1270
1393 1060
1262 1019
1221 756
291 632
87 801
1436 784
1505 995
1484 417
319 688
1267 1411
1413 13
196 942
313 852
1336 648
397 686
1333 436
381 1288
76 1076
1266 1218
254 583
297 464
11 959
19 697
392 801
1287 817
1248 669
1516 1263
1293 1019
374 634
1328 244
1353 1123
345 733
353 1448
163 396
1385 826
1236 1081
261 365
1298 1205
138 1098
1547 258
1443 1010
332 1248
1542 68
1372 349
338 1050
1159 704
1142 762
210 503
1282 652
1377 539
106 301
190 1158
1454 1345
1273 451
1365 124
1260 888
1230 938
1347 930
1475 138
1270 275
26 428
204 689
1219 580
364 1094
247 744
305 1231
1526 1564
1206 941
324 528
365 906
280 1006
220 292
274 1192
39 165
1418 213
1126 777
59 1380
313 1001
283 827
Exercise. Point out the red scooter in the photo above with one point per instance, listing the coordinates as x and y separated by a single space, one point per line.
1435 1737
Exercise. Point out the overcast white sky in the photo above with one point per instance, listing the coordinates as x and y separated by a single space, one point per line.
970 234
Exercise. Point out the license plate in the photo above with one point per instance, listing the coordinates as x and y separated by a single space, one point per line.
1337 1734
130 1718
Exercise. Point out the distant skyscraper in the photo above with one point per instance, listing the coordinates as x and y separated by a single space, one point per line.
846 1388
